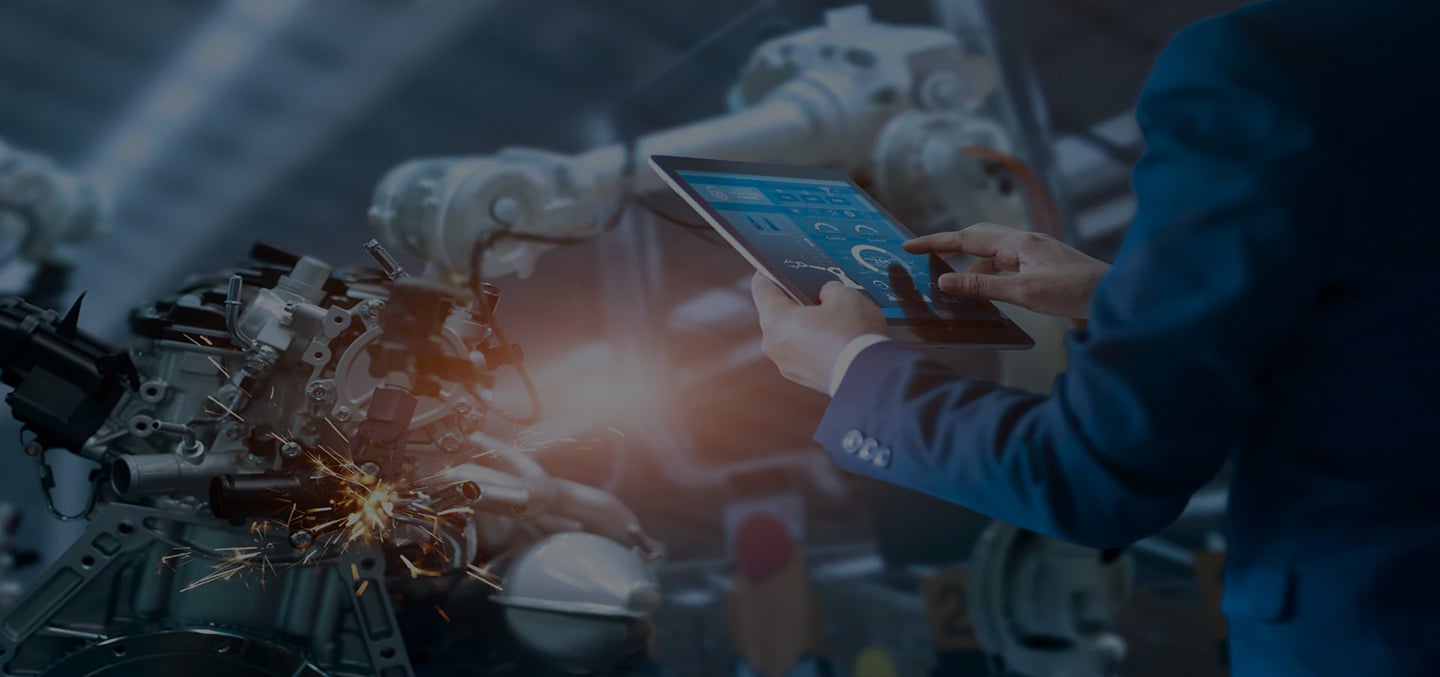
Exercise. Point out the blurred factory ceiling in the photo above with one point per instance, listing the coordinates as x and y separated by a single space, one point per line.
215 123
218 122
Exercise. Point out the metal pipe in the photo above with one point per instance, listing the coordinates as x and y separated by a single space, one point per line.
235 496
233 305
493 497
387 263
140 475
190 445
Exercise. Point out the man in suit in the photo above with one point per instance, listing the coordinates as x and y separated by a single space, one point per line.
1274 305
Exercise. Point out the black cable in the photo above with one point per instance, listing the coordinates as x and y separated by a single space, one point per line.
477 259
661 214
700 230
536 412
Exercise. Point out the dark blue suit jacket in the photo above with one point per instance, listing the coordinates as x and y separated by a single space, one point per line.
1275 306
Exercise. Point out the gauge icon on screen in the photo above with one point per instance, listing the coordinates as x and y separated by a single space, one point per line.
867 230
877 259
823 227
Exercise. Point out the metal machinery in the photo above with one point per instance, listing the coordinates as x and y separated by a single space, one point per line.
1046 607
41 210
907 108
289 456
11 558
267 457
896 102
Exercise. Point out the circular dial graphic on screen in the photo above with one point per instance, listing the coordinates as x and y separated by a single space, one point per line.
877 259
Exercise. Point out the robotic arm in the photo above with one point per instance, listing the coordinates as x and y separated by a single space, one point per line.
43 208
897 102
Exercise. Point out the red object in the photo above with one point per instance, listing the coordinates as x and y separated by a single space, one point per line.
763 546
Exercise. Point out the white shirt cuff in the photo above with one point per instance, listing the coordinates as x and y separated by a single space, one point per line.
848 355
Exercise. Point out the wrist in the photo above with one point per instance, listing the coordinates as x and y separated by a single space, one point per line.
847 355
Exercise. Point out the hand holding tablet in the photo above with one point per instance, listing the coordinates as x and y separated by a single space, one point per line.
803 227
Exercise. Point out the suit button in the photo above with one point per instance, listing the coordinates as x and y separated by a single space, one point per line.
852 441
867 450
882 457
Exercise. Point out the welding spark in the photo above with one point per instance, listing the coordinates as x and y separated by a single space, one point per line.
235 562
227 410
174 559
360 508
367 508
417 572
337 430
218 366
442 613
484 576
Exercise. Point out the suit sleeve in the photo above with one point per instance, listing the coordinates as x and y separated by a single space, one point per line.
1216 273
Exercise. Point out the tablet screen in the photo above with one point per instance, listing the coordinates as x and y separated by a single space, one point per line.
815 231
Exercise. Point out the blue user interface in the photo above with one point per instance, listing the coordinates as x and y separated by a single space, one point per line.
818 231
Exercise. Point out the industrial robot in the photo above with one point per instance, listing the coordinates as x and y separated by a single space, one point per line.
292 464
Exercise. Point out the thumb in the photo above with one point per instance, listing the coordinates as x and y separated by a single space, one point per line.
832 291
768 297
979 285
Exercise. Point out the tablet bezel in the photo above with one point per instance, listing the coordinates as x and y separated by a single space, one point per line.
1003 334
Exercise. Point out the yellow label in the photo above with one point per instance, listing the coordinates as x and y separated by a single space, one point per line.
874 661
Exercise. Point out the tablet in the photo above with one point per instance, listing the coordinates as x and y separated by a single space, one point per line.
803 227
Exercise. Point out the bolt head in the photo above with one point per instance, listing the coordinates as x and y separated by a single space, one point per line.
290 450
449 442
506 210
342 414
301 540
318 392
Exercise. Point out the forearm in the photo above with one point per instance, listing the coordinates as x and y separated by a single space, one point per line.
1007 453
1220 268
